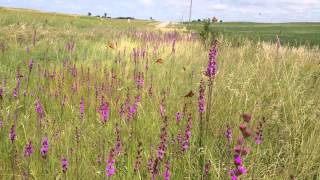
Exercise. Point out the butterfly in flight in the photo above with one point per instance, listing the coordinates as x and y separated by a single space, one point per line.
160 61
190 94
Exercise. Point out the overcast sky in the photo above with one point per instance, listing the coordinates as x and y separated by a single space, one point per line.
177 10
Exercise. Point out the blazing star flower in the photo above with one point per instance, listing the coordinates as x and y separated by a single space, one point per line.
133 109
81 108
45 147
258 138
162 109
12 134
118 146
187 136
110 169
140 80
15 92
228 134
212 63
138 160
104 112
201 99
207 167
39 109
167 174
30 65
64 164
178 117
28 150
1 92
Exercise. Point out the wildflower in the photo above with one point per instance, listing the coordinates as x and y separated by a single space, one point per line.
237 160
45 147
162 108
187 136
64 164
207 167
242 170
12 134
178 117
138 160
1 92
258 137
118 140
201 99
81 108
39 109
28 150
228 134
30 65
167 174
164 138
246 117
212 64
110 169
133 108
104 112
15 92
1 123
140 80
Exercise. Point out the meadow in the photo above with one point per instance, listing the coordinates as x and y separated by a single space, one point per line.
291 34
89 98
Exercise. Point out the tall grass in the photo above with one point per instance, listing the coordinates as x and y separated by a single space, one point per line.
252 78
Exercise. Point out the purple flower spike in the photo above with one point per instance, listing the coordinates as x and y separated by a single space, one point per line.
30 65
178 117
110 169
64 164
212 64
28 150
228 133
12 134
45 147
201 99
167 174
81 108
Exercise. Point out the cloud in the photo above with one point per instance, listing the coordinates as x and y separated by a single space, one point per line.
228 10
146 2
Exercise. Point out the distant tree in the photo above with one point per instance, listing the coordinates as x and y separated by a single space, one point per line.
221 21
105 14
151 18
89 13
199 20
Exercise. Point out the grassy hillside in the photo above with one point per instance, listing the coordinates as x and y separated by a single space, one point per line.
119 100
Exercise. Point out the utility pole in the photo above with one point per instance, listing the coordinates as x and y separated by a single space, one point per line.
190 11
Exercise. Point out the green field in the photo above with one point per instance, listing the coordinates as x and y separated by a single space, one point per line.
134 98
293 34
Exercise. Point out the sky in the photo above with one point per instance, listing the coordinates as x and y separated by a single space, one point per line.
178 10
